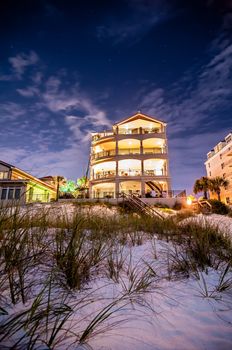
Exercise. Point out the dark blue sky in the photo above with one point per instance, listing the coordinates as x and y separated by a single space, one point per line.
71 67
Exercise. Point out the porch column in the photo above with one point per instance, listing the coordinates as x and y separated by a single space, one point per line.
117 188
141 146
116 167
116 147
142 188
142 167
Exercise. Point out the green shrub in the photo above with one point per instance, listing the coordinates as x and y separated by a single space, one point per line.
161 205
219 207
177 206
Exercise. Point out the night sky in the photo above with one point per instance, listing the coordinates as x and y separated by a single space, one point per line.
68 68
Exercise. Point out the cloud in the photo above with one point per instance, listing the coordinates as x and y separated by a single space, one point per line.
11 111
185 106
21 61
192 107
67 162
141 17
30 91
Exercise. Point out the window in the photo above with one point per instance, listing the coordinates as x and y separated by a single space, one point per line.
17 193
209 165
220 156
3 175
10 193
4 192
210 173
222 165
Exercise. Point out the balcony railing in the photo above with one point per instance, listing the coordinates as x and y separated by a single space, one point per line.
102 134
160 172
122 131
139 131
154 150
129 151
129 172
104 154
104 175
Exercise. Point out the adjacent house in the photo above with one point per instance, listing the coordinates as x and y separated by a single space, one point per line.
132 157
18 185
219 163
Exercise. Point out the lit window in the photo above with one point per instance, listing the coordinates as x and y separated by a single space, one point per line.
3 175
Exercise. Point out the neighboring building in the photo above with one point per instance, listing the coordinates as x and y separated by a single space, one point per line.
130 158
219 163
16 184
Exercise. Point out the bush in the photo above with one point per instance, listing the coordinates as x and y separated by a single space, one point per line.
67 195
177 206
161 205
219 207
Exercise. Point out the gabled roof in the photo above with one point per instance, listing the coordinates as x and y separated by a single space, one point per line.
30 177
139 115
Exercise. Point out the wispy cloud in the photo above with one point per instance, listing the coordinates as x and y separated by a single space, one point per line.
21 61
11 111
19 64
141 17
28 92
185 106
56 123
192 110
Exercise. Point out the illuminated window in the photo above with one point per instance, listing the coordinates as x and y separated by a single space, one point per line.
3 175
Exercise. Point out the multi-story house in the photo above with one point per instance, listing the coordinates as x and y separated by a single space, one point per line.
130 158
219 163
18 185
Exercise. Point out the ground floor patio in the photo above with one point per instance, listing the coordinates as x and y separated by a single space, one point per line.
140 188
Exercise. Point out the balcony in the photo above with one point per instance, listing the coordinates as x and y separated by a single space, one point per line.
104 175
122 131
160 172
139 131
127 151
129 172
103 154
154 151
101 135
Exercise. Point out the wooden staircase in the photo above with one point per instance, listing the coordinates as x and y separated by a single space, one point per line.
203 206
139 205
154 186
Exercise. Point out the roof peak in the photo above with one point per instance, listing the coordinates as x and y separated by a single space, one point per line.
139 113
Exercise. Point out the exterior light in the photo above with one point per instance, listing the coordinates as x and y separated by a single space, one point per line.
190 200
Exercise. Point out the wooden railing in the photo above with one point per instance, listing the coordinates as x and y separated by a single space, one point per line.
138 204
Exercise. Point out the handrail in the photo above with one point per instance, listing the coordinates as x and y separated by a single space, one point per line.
138 203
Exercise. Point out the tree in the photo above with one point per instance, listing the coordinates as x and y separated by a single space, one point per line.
216 184
69 187
82 185
202 185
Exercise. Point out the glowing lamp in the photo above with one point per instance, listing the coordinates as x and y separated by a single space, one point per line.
189 200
